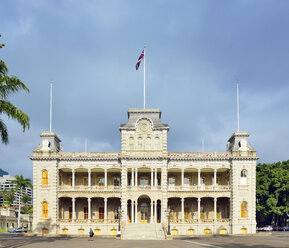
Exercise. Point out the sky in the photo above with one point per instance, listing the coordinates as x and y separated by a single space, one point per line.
195 53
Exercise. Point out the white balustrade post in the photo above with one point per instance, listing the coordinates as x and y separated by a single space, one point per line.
136 177
215 177
183 201
215 208
199 177
73 178
132 177
135 219
73 208
152 213
132 212
89 178
105 178
182 178
199 208
105 208
155 212
89 208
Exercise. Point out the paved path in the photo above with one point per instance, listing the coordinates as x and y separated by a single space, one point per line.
280 239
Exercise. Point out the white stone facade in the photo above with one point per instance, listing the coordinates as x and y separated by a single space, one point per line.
200 192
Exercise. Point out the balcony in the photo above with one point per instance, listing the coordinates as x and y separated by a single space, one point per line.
200 221
144 187
90 188
199 188
87 221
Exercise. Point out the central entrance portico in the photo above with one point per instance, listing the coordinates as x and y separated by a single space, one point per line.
144 212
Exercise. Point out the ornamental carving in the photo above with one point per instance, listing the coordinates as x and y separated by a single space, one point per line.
144 125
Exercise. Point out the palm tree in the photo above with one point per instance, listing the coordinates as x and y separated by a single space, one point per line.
8 86
20 182
25 200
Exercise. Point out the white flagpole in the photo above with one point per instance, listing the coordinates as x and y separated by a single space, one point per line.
144 76
50 126
238 124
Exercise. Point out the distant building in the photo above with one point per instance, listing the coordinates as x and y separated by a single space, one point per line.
5 185
3 172
200 192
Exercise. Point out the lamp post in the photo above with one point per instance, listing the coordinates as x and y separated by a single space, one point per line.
119 217
169 227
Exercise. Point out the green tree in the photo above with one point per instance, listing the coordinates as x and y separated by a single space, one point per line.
272 193
9 197
20 182
26 209
8 86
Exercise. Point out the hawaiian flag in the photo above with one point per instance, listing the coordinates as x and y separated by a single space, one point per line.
140 58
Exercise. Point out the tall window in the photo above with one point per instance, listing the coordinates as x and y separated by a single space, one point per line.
187 181
116 181
148 143
101 181
157 143
44 177
131 143
101 213
85 181
172 181
85 210
244 209
44 209
115 213
139 143
243 177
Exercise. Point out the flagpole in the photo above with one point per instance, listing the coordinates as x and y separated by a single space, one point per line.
238 124
50 124
144 77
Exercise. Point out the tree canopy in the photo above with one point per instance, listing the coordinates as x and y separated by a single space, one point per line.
272 193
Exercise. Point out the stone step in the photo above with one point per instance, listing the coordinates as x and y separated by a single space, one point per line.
138 231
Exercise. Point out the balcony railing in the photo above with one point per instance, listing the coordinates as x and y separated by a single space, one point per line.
92 188
200 221
91 221
195 187
144 187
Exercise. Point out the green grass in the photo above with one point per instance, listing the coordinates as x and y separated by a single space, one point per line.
3 231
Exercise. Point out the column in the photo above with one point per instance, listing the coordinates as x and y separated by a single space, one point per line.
132 212
156 177
89 208
73 178
215 208
135 208
73 208
89 177
105 208
199 177
155 212
182 178
105 178
132 177
136 177
152 177
215 177
183 201
199 208
152 213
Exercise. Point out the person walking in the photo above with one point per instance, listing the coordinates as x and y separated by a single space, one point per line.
91 234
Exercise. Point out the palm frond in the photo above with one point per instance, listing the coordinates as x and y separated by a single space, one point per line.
10 85
14 113
3 68
3 132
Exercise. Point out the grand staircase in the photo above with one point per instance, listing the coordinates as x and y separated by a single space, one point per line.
138 231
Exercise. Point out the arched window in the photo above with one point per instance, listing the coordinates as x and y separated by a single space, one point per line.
244 209
131 143
148 143
44 177
243 180
44 209
157 143
139 143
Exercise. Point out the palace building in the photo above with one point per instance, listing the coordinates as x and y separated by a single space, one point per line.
144 185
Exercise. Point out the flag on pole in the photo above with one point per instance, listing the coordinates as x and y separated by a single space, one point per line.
140 58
